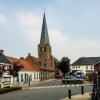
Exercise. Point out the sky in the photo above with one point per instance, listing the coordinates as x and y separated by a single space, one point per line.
73 27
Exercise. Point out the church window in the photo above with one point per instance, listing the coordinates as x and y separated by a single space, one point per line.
40 49
44 49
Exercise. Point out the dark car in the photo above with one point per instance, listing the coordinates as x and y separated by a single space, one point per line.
68 79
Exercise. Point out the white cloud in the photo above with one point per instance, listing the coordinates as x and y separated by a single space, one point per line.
3 18
62 45
28 18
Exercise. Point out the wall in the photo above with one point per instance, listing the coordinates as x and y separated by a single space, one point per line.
6 80
83 68
23 77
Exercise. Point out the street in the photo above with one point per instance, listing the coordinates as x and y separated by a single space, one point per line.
51 90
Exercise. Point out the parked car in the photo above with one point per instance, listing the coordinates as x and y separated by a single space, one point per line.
71 78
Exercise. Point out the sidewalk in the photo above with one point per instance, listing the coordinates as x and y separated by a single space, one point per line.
86 96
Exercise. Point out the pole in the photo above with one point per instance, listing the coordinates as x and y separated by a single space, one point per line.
69 93
82 90
29 81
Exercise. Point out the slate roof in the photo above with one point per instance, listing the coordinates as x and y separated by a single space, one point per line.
86 61
44 32
3 59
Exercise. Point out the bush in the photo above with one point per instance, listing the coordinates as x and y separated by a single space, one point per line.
9 89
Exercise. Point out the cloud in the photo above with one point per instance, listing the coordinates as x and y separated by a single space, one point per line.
3 18
28 18
62 45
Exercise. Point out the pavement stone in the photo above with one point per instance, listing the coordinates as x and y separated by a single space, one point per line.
86 96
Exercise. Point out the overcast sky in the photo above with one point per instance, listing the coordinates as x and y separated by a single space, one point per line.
73 27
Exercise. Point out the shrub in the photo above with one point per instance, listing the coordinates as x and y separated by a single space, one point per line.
9 89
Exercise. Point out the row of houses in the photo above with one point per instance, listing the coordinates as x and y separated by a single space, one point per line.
34 69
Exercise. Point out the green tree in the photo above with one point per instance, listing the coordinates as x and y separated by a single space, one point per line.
14 69
2 70
64 65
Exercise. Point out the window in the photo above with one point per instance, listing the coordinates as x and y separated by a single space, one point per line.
40 49
37 76
73 66
86 67
91 67
44 49
18 77
78 66
31 77
34 76
7 80
21 77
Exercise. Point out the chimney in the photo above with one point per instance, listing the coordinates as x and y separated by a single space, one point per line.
21 58
29 54
1 51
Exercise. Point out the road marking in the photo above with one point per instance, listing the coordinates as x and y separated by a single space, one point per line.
58 86
72 85
77 85
55 86
67 85
63 86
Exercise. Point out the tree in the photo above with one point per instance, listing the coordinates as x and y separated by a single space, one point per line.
14 69
2 70
64 65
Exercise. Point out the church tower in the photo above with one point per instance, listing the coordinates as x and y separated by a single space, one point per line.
44 48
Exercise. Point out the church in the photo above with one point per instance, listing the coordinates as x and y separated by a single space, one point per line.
46 62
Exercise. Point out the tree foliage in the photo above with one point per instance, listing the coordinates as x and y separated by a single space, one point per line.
2 70
64 65
14 69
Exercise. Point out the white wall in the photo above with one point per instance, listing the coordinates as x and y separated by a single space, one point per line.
24 77
6 80
83 68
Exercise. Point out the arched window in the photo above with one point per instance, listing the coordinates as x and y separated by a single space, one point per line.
44 49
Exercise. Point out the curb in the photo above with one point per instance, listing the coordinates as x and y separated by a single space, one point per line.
86 96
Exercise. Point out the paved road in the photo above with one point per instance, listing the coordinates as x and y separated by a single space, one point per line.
44 93
49 83
53 83
49 90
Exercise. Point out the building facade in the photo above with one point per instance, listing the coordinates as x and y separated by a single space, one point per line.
5 78
27 74
84 64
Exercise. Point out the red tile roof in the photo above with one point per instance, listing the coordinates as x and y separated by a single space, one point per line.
27 66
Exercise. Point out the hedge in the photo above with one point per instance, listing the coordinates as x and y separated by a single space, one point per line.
9 89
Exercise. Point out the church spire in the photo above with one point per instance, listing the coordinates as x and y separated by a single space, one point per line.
44 33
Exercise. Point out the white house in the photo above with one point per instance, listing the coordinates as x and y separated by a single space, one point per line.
27 74
5 78
84 64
